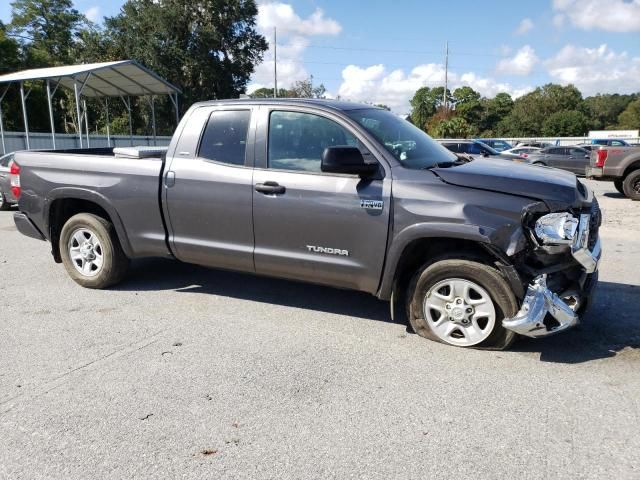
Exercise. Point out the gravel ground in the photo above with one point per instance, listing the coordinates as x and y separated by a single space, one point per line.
194 373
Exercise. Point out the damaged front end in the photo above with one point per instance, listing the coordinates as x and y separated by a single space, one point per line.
561 269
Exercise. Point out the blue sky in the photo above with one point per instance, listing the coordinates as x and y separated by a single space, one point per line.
381 51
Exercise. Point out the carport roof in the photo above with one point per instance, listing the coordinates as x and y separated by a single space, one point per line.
108 79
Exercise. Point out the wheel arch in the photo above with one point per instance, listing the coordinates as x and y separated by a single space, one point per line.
64 203
412 251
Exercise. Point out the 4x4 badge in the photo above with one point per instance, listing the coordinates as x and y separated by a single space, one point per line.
372 204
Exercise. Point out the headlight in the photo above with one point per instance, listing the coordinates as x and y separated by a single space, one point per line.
556 228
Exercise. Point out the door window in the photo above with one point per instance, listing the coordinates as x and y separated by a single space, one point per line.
225 137
297 140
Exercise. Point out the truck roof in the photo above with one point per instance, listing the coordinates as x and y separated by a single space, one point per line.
317 102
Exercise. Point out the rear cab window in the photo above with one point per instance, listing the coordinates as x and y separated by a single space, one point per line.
225 137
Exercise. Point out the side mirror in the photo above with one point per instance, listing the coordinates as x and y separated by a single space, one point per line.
344 159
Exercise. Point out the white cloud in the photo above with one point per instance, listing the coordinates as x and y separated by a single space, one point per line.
525 25
93 14
610 15
284 18
293 34
558 20
595 70
374 84
521 63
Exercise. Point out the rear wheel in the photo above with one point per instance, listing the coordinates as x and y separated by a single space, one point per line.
631 185
91 252
539 164
461 303
619 186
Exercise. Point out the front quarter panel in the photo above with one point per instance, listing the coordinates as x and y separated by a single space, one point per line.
426 207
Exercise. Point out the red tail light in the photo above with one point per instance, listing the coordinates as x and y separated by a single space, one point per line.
14 171
602 157
524 155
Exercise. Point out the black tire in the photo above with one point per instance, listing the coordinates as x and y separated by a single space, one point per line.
487 277
631 185
539 164
114 261
619 186
4 204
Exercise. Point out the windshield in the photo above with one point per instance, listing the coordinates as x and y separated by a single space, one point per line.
408 144
490 150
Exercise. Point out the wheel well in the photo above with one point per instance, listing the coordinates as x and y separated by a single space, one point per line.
424 250
62 210
631 168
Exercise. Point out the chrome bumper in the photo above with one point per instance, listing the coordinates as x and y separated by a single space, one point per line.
539 300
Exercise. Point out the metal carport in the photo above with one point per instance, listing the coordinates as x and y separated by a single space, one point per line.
122 79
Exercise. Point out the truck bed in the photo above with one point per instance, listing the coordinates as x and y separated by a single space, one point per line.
127 189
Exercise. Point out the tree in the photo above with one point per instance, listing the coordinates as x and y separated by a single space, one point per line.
425 103
566 123
493 111
207 48
306 89
268 93
604 109
630 118
531 110
455 127
467 104
47 29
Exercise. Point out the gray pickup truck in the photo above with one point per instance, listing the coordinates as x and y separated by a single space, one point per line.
621 165
476 252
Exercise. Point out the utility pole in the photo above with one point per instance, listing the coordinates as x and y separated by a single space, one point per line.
446 74
275 64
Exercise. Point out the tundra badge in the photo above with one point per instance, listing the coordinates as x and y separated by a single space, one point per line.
331 251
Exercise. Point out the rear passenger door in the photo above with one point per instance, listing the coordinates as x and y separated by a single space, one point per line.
208 188
556 157
309 225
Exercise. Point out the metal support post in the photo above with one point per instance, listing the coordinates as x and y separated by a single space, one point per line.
23 100
106 104
53 128
79 117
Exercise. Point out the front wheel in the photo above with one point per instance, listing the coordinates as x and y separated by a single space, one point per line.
461 303
91 252
631 185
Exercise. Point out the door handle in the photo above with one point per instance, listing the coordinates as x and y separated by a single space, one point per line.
270 188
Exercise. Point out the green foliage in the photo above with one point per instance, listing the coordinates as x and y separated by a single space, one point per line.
47 28
456 127
425 103
603 110
467 104
207 48
630 118
565 123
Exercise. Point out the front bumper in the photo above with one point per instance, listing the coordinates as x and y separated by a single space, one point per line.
540 301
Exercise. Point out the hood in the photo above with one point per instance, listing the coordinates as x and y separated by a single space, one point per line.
557 188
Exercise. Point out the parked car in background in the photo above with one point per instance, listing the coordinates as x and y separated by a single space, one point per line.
573 159
609 142
621 165
586 146
7 199
496 144
471 147
535 144
523 152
